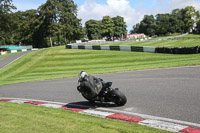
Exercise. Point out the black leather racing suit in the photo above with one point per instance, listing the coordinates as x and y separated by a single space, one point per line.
90 86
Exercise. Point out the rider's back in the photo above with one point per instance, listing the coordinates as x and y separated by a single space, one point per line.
91 85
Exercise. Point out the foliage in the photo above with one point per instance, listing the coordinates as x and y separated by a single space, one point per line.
52 21
147 26
60 19
93 29
6 25
107 27
119 26
197 27
26 20
189 13
178 21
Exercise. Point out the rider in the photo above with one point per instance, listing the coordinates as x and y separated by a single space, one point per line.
89 85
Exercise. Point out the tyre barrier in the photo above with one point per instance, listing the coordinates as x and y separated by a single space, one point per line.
112 48
177 50
174 50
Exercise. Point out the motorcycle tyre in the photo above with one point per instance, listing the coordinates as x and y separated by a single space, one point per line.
118 97
91 101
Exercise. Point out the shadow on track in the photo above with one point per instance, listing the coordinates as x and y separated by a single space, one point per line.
87 105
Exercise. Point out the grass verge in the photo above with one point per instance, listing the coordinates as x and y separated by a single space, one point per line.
59 62
162 43
24 118
191 35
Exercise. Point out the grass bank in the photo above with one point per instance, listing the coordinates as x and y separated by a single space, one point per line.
172 35
162 43
191 35
58 62
24 118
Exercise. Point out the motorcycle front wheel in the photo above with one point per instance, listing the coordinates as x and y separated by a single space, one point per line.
118 97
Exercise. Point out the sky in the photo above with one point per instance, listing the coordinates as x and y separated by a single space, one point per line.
133 11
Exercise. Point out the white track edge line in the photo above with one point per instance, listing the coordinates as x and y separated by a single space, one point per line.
151 117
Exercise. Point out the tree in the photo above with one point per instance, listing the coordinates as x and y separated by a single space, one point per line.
27 24
188 18
49 13
148 25
119 26
197 27
107 27
176 21
6 26
162 24
59 18
71 26
135 29
93 29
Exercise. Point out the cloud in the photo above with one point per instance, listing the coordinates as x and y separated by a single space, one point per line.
173 4
92 10
161 1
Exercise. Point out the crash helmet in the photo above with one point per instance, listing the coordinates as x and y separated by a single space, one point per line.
82 75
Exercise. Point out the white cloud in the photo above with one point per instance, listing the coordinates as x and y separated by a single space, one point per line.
173 4
92 10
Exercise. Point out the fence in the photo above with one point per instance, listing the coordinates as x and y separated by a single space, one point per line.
3 52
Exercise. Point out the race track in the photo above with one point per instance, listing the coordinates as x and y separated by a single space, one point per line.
6 61
172 93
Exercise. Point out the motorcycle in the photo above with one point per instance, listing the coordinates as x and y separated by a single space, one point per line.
108 94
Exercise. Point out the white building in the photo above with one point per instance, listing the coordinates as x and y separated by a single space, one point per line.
135 36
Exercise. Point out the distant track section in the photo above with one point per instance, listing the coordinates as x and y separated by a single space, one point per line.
8 60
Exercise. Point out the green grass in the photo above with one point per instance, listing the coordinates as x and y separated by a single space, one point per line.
192 35
59 62
162 43
24 118
172 35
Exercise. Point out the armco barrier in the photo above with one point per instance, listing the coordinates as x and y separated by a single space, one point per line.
175 50
113 48
19 50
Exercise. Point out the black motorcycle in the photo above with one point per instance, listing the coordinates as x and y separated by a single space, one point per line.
108 94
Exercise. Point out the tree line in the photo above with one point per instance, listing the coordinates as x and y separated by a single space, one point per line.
56 20
178 21
53 20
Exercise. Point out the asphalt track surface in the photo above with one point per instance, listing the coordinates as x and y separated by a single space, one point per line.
6 61
172 93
